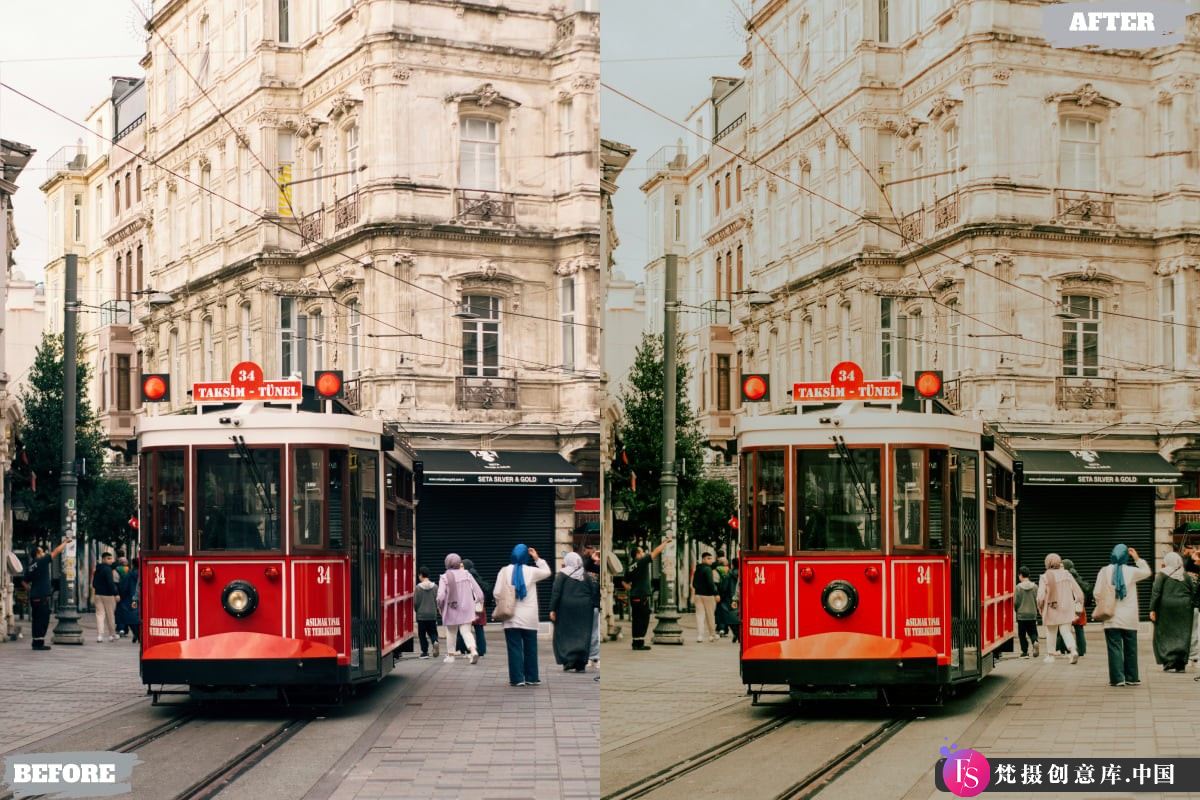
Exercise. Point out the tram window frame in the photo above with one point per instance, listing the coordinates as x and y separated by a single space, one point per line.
745 505
751 507
341 489
1000 506
280 500
401 528
877 499
323 481
154 511
926 481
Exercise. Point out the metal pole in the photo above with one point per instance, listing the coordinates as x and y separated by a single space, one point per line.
67 630
667 630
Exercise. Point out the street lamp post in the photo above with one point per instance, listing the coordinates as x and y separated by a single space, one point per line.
667 630
67 629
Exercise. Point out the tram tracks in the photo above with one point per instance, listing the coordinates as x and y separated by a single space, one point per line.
804 789
220 778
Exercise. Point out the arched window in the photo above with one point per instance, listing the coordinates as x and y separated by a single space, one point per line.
116 198
739 183
720 277
119 280
1081 336
354 325
481 337
351 150
317 335
128 275
953 323
139 282
950 155
209 349
479 153
138 181
717 197
247 339
128 189
740 282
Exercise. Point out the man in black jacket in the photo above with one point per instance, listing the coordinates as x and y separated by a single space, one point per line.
704 588
105 585
40 590
637 577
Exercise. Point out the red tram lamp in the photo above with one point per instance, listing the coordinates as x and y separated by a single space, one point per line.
328 383
929 383
156 387
756 388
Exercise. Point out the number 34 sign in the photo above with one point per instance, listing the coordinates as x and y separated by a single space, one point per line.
847 382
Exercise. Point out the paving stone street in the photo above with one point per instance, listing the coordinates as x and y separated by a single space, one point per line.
669 703
429 729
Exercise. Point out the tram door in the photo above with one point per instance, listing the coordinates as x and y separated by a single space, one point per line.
964 564
364 563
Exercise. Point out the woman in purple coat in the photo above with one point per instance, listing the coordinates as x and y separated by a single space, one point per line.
457 596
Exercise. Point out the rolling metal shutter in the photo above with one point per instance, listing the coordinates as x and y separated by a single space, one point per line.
484 524
1084 525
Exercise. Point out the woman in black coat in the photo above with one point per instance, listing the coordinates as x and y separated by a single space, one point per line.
727 607
571 602
128 615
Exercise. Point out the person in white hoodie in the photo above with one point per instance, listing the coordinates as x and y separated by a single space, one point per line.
520 630
1120 630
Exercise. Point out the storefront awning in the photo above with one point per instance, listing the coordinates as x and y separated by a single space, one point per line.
1097 468
497 468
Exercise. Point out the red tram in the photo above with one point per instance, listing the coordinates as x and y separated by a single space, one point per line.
277 541
877 551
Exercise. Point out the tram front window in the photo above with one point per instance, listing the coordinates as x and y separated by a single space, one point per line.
769 494
838 492
238 498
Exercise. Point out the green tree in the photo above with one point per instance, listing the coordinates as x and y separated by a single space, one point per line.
641 436
706 512
107 509
41 433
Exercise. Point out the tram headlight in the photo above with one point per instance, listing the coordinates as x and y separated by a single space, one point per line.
239 599
839 599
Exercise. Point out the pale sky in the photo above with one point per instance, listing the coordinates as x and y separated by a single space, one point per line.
63 52
663 53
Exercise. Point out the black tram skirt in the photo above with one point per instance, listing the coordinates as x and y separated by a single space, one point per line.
245 672
827 673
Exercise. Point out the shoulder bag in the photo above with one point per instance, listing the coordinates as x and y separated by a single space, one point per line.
1106 597
506 601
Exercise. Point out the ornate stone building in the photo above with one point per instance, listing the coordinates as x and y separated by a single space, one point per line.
969 199
405 191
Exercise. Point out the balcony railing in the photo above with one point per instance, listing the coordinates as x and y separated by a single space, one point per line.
487 393
345 211
945 211
116 312
1086 393
951 394
128 128
72 158
912 227
673 156
312 226
721 134
481 206
352 393
1085 206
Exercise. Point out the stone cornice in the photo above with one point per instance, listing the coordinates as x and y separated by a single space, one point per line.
725 231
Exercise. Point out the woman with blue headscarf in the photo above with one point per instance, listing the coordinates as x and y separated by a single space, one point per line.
520 630
1116 582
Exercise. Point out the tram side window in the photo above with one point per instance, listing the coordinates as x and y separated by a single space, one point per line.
238 500
770 516
908 497
938 487
168 489
337 487
839 499
745 501
308 497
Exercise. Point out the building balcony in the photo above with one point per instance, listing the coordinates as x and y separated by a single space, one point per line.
116 425
128 129
1096 208
912 226
496 208
665 159
72 158
951 394
945 212
116 312
728 129
345 211
312 226
1085 393
352 393
486 393
716 425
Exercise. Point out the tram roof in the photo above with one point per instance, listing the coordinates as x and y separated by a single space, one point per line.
859 424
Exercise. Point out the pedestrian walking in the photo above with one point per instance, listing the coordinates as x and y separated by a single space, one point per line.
459 599
128 616
520 629
1117 608
1081 620
572 601
704 590
40 589
719 570
638 580
105 586
1191 563
1025 601
480 619
426 605
1171 612
591 563
1059 600
727 592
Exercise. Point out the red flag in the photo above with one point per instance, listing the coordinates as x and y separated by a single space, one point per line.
33 481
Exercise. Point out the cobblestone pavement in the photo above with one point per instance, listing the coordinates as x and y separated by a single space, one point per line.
1024 708
43 693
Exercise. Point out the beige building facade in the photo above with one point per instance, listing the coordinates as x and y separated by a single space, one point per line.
968 199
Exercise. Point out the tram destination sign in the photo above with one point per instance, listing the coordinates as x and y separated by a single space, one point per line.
846 382
247 385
